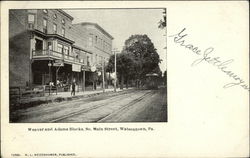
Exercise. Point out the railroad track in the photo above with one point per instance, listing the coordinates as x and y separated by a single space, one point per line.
112 100
130 104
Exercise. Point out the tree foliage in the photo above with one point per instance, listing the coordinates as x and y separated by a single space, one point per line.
144 54
138 58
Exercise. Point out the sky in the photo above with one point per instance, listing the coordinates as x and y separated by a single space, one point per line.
122 23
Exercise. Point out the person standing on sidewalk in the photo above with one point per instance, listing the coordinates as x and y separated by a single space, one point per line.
73 88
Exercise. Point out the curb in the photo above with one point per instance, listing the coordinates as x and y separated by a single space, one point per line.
24 105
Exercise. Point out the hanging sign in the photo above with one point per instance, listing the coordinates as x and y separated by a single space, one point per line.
76 68
84 68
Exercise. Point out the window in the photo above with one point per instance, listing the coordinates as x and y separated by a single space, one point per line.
31 21
50 45
54 28
44 25
55 16
45 11
63 21
59 48
88 61
95 39
66 50
63 32
90 41
31 18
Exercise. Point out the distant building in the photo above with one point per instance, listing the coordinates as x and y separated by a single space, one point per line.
45 46
99 41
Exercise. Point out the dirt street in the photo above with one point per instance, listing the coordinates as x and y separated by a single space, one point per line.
130 106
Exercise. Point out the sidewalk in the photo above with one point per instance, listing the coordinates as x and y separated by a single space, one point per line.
62 96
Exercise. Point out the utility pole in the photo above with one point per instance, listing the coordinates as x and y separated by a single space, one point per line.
115 50
83 82
49 64
103 81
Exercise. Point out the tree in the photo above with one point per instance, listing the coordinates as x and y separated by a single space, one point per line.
163 23
144 55
125 63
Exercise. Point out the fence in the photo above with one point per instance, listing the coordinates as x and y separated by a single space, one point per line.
18 93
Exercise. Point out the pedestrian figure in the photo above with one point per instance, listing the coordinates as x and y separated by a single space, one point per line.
73 87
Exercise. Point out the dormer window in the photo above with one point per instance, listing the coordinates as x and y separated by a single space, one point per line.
45 11
31 21
63 21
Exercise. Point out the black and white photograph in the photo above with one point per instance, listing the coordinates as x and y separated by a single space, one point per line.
127 79
87 65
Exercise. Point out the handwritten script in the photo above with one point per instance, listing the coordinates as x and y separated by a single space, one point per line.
207 56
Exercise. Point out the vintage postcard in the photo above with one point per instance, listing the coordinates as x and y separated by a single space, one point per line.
124 79
80 72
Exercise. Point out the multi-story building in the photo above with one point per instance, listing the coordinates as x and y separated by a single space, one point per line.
99 43
45 46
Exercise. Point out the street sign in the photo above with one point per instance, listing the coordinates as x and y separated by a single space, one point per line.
58 63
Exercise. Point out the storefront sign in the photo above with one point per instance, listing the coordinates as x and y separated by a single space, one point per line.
84 68
58 63
76 68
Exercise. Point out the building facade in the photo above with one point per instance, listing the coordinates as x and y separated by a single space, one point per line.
44 47
99 43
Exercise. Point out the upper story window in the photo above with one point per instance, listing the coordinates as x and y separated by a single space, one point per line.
45 11
59 48
55 16
50 45
31 21
66 50
31 18
95 39
54 28
90 41
63 21
45 25
63 32
88 62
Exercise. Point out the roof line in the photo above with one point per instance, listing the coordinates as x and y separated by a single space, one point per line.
66 14
97 26
76 46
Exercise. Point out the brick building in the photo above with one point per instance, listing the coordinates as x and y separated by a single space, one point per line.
99 43
45 46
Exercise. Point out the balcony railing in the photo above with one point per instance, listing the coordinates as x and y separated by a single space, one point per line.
56 55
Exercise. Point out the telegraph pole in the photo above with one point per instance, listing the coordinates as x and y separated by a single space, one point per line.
115 73
103 81
115 50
